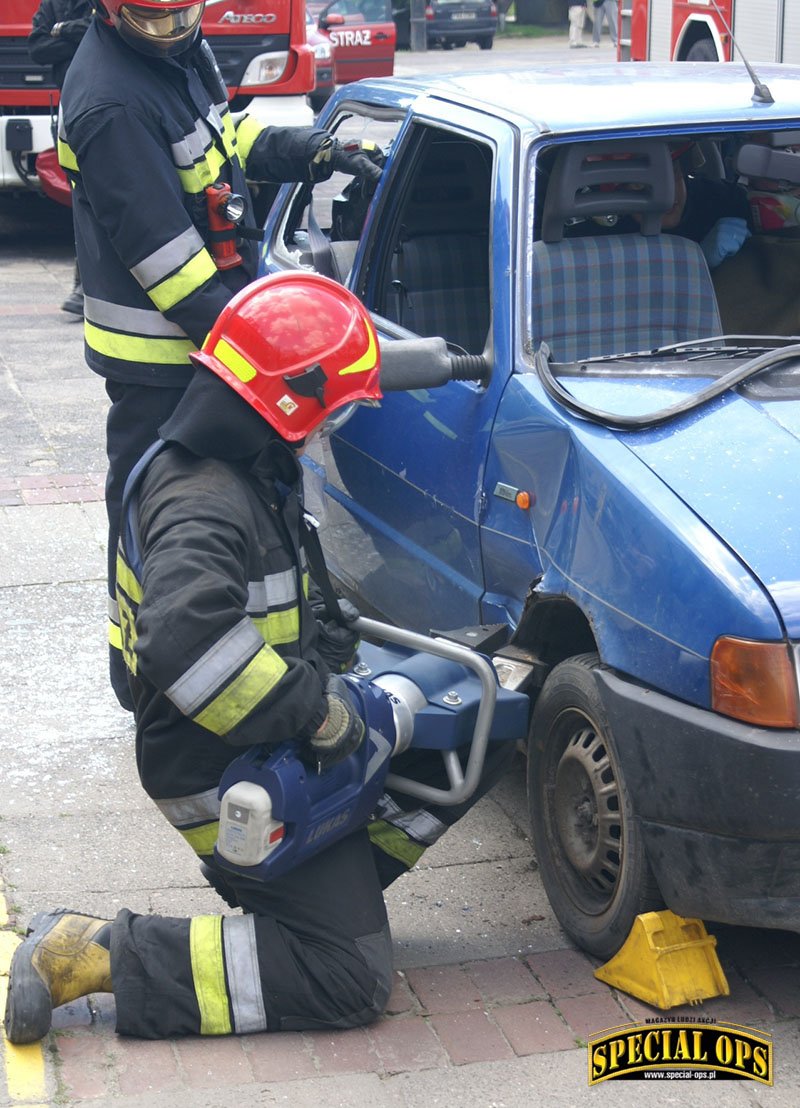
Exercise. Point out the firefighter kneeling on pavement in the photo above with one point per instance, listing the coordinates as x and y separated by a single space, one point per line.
225 651
145 132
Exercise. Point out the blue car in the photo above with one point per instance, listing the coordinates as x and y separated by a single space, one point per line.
586 460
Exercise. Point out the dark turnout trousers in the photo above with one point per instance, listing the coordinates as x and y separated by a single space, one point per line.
311 951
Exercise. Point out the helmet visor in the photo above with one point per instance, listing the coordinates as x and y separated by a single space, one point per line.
161 28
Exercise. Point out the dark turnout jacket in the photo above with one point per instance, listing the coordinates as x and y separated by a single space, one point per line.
217 632
140 139
57 51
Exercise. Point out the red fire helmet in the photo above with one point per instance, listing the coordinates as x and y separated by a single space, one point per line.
156 27
296 347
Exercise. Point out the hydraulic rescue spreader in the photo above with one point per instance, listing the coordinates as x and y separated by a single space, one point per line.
412 691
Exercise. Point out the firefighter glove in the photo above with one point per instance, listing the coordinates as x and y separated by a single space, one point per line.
341 733
337 643
359 159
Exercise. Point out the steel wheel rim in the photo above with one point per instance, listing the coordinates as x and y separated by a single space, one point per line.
586 813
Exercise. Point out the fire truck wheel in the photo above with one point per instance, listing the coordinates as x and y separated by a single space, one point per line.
588 843
703 50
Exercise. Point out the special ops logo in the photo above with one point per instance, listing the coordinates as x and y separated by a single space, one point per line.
681 1050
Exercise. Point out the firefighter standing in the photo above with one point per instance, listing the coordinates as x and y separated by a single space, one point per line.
56 31
144 131
224 652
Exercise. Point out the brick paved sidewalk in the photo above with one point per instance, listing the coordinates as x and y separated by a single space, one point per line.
438 1018
51 488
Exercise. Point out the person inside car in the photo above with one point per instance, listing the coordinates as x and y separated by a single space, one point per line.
757 289
713 213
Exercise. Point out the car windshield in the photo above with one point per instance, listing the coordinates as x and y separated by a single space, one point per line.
641 244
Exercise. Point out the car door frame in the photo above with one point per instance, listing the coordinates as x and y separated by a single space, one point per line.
460 414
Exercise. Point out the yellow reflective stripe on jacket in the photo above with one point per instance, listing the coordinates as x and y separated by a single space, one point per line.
162 263
127 580
127 634
193 808
66 156
114 635
279 628
189 277
232 705
229 136
203 173
208 974
132 348
201 839
247 131
216 668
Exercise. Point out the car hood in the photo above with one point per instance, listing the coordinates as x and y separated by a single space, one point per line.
734 462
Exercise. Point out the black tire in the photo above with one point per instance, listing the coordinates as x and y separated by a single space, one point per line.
486 43
703 50
587 840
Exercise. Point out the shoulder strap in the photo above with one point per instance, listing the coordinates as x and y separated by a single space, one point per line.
129 526
316 561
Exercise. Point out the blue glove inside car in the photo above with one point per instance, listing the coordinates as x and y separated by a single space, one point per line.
724 240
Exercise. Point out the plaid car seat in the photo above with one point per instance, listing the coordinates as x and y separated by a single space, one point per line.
605 294
439 279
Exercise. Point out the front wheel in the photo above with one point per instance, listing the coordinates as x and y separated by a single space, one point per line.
587 840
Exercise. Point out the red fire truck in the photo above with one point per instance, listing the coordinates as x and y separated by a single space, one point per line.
699 30
260 46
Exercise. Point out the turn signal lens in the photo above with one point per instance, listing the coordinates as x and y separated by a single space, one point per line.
754 682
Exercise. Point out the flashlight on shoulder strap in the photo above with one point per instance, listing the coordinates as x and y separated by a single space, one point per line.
226 209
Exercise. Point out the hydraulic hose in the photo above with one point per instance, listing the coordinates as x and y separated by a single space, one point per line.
557 392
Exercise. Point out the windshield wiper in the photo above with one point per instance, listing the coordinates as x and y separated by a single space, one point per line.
727 381
698 348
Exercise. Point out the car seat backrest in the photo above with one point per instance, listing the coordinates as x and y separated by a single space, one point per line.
631 177
616 293
611 293
439 279
451 190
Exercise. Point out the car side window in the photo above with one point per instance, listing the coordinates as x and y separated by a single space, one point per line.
324 222
435 277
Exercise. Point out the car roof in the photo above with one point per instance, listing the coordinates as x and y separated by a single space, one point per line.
605 97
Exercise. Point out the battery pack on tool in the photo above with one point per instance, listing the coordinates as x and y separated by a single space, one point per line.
275 812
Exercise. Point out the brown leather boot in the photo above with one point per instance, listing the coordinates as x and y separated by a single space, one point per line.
65 956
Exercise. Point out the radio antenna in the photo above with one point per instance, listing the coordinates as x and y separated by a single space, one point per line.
761 94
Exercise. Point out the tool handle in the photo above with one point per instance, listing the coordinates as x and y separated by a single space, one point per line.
462 785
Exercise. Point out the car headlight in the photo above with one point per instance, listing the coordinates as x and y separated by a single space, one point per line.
323 52
754 682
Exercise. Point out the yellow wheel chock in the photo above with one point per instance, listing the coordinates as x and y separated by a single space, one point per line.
666 961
